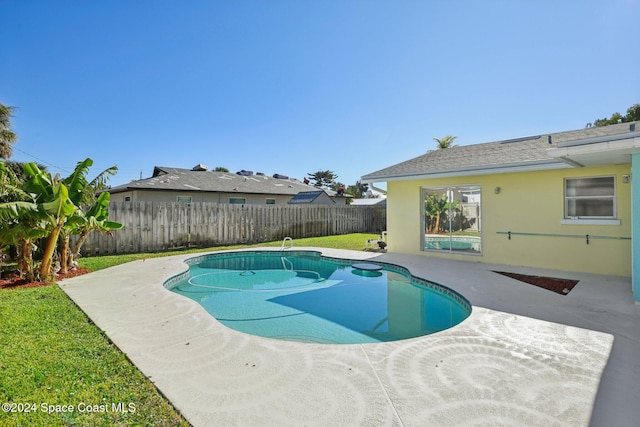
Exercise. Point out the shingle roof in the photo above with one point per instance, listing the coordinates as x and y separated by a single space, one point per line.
168 178
520 152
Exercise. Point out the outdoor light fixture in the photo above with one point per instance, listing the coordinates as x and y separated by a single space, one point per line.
496 190
626 179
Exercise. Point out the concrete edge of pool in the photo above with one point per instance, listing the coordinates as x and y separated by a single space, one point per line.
307 297
495 367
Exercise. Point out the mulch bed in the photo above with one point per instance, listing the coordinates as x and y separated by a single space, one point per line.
554 284
12 279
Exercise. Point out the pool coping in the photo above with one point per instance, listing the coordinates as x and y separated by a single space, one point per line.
525 356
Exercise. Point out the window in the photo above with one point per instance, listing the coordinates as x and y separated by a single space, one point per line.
183 199
271 201
127 198
237 200
590 198
451 219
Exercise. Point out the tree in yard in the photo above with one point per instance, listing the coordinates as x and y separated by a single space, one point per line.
54 206
323 178
95 219
358 190
633 114
82 194
18 168
19 220
7 137
445 142
436 208
48 208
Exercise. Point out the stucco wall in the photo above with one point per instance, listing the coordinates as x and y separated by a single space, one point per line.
529 202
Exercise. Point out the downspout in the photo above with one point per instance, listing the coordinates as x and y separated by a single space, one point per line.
635 226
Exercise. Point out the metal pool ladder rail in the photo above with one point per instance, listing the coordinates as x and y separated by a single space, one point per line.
290 240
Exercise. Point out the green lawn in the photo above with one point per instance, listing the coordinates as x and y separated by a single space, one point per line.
58 369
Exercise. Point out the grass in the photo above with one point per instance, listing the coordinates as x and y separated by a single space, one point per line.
355 241
52 355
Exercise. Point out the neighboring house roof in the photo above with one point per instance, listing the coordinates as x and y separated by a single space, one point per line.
177 179
311 197
527 153
369 201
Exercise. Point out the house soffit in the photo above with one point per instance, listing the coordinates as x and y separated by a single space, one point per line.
607 152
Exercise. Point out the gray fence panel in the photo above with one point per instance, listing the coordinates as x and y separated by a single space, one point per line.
154 227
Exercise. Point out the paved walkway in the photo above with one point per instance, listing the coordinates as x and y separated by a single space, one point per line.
525 356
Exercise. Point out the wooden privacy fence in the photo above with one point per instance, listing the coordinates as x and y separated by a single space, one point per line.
152 226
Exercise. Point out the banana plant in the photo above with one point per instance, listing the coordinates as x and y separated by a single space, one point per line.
13 200
20 222
95 219
437 208
82 193
54 204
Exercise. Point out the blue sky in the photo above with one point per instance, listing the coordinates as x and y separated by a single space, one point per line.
293 87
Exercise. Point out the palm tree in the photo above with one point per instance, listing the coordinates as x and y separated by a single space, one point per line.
7 137
445 142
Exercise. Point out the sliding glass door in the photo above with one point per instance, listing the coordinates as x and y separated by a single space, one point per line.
451 220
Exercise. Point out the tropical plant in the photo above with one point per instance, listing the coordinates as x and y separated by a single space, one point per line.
47 207
95 219
358 190
436 208
445 142
82 194
7 137
19 220
55 206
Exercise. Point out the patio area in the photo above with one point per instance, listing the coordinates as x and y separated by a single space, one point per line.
525 356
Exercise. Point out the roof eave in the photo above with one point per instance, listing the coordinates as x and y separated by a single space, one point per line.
477 170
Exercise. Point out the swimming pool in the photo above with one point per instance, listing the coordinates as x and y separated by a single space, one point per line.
452 243
303 296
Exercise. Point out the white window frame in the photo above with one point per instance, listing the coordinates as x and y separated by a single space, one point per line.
183 199
591 220
457 187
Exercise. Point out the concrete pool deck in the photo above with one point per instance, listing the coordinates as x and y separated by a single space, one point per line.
525 356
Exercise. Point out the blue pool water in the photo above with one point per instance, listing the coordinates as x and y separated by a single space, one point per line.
302 296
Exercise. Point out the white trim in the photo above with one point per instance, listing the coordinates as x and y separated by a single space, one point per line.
423 192
614 198
481 170
590 222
